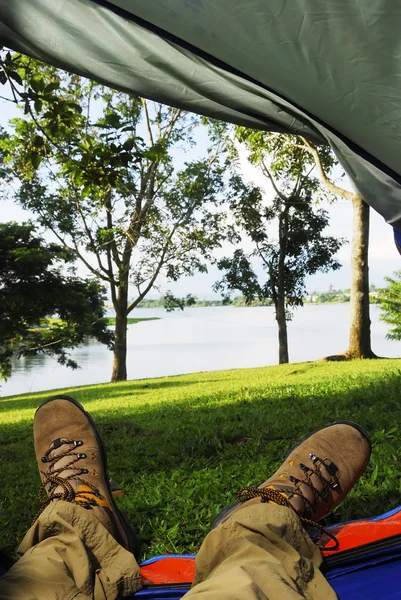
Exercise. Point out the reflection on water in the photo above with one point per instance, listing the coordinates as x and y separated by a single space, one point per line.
202 339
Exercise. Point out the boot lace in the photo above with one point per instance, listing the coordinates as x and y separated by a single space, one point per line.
53 478
277 496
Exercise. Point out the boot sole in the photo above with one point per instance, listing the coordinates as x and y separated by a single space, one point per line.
226 511
132 538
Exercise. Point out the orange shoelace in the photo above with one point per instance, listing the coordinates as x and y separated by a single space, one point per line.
277 496
86 494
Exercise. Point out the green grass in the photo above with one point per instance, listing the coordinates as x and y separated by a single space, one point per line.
181 446
49 322
131 320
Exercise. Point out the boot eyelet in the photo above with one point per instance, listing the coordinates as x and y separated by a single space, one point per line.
332 468
83 471
81 455
44 459
78 443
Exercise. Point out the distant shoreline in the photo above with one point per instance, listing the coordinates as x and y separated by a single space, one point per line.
131 320
211 304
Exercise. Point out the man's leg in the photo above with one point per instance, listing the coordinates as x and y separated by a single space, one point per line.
81 546
68 554
258 548
262 552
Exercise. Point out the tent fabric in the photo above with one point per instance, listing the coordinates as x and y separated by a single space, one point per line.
326 69
366 565
374 576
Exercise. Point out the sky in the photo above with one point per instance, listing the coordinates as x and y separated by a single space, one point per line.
383 256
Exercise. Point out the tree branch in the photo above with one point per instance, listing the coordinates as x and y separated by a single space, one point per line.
172 123
43 345
261 255
267 174
11 84
88 265
335 189
8 100
148 125
155 274
109 216
75 251
89 234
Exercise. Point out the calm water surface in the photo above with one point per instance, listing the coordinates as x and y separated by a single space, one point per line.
202 339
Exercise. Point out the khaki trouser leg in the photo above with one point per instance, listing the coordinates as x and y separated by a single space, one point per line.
261 552
68 554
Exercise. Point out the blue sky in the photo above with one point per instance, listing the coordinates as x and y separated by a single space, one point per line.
383 256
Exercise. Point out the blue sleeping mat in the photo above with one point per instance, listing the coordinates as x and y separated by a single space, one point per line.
367 565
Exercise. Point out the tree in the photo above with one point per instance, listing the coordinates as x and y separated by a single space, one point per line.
389 299
97 168
360 338
298 247
34 287
323 160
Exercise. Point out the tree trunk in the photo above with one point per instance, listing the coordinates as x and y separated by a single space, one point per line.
359 340
120 337
282 331
279 300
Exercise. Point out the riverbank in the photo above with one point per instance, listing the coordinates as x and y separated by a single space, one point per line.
202 339
182 445
131 320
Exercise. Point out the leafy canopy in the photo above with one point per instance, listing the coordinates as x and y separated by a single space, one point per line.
286 232
105 172
33 287
389 299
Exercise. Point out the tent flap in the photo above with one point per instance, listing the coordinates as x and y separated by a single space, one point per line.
329 72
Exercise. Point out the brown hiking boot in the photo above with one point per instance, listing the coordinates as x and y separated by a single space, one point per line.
315 477
73 465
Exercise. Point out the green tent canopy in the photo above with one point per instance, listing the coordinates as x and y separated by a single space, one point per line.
327 69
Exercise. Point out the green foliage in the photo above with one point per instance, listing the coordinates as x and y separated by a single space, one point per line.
34 287
182 446
331 295
286 157
131 321
298 247
389 299
96 167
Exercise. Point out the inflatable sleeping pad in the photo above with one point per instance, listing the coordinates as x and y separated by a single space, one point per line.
367 564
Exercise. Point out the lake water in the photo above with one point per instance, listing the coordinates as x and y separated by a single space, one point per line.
203 339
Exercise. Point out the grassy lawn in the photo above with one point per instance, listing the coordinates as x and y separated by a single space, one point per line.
181 446
131 320
51 321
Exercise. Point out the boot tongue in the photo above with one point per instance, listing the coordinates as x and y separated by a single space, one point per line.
59 448
307 489
83 493
288 493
